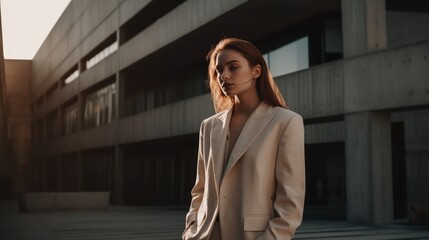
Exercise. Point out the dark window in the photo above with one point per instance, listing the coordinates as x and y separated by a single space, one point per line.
145 91
146 17
70 76
102 51
70 118
99 106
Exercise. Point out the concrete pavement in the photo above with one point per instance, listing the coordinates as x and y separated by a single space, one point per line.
162 223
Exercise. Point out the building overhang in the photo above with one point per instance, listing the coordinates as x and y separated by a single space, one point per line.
253 20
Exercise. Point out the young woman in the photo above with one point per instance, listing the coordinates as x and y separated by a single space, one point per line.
250 180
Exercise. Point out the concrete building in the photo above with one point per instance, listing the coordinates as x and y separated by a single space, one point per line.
5 161
18 78
118 91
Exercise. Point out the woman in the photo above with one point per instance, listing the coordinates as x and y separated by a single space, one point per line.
250 180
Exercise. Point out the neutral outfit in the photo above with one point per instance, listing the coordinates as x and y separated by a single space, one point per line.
259 194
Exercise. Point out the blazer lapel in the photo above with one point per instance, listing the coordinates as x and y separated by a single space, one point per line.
253 127
218 135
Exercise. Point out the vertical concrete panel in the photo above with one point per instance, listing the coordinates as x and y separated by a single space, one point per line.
18 77
328 89
368 168
376 24
381 168
364 26
357 164
79 171
118 192
354 23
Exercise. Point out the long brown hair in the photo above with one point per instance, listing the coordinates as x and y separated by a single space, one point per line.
265 86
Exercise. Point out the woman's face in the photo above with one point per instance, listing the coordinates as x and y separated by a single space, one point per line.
234 74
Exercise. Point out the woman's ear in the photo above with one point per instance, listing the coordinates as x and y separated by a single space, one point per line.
256 71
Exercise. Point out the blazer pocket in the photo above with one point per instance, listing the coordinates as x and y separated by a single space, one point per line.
201 216
256 223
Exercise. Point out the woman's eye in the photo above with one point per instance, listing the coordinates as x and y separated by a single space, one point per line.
232 68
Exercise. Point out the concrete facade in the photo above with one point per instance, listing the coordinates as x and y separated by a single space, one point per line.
364 107
64 201
5 161
18 78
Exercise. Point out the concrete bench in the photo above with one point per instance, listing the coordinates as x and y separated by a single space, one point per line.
63 201
419 214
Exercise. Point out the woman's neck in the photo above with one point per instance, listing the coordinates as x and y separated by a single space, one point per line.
246 103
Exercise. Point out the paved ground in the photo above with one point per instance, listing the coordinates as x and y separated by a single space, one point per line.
123 223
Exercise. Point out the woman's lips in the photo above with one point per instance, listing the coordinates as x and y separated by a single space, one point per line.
226 85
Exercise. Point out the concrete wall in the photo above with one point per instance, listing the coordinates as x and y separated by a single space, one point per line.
82 19
336 99
64 201
405 28
332 89
171 120
18 78
5 161
388 79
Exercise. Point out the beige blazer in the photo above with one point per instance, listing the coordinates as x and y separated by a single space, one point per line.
261 193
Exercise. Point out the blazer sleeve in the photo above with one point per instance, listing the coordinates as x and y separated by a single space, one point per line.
290 183
198 189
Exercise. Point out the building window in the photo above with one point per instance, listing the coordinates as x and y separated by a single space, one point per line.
333 40
289 58
101 55
145 94
70 118
102 51
70 76
99 107
153 11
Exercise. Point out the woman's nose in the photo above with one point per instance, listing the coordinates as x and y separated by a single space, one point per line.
224 76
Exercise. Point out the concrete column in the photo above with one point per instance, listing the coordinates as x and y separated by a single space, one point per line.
80 107
44 131
364 26
79 171
61 122
118 197
120 95
44 176
60 184
118 191
369 168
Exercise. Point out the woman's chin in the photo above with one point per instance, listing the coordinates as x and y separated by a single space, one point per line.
227 93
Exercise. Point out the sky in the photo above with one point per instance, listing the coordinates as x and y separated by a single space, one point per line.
26 24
